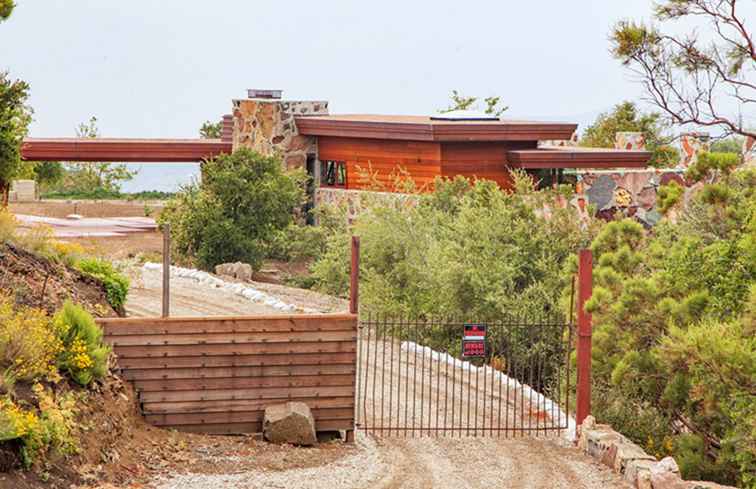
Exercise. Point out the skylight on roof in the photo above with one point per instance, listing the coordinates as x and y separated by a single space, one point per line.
464 115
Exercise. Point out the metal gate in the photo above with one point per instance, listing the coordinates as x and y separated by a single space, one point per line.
415 377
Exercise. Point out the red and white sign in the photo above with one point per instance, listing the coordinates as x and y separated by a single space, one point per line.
474 340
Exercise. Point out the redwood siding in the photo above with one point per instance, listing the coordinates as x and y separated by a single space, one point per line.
484 160
383 158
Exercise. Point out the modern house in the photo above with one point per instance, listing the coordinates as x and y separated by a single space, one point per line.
345 153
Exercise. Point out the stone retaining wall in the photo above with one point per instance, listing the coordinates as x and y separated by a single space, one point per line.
626 458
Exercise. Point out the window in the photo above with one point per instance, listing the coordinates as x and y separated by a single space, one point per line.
333 174
548 177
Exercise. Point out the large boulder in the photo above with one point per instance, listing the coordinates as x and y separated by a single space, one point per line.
238 270
291 422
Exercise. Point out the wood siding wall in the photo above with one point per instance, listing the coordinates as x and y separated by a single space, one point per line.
383 158
217 374
486 160
423 161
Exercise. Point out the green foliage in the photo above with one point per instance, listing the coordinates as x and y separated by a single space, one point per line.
48 173
674 338
467 248
732 144
95 179
462 102
626 117
244 200
211 130
710 165
298 242
15 117
668 196
116 284
6 9
84 356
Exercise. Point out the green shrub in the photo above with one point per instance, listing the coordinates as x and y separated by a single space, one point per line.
244 200
116 284
674 333
466 248
84 356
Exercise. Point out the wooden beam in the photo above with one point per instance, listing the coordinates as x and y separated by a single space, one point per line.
123 150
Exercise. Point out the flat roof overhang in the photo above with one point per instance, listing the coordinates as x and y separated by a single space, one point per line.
123 150
577 158
423 128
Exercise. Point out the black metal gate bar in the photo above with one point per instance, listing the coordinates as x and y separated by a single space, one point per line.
529 356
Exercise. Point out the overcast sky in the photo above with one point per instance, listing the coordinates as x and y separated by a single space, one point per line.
159 68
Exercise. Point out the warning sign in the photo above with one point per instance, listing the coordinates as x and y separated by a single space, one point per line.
474 340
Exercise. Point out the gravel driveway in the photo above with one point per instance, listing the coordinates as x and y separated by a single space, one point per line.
374 462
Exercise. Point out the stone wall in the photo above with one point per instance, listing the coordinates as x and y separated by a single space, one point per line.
626 458
633 192
354 201
267 126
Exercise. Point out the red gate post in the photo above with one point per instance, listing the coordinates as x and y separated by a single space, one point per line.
354 297
585 289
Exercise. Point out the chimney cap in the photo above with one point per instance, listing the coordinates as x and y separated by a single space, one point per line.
264 93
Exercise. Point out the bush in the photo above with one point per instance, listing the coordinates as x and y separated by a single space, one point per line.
54 428
84 356
28 344
116 284
674 331
467 248
244 200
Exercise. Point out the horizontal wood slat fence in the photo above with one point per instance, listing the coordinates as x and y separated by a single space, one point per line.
217 374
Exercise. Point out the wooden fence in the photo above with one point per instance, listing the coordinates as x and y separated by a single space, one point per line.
217 374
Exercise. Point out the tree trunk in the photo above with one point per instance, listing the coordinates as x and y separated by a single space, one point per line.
4 194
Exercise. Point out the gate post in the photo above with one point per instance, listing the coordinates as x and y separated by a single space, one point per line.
354 297
166 270
584 331
354 278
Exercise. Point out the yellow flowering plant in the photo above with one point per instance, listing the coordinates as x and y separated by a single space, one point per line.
29 346
84 355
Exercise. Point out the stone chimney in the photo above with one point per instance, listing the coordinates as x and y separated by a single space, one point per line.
691 144
265 123
630 140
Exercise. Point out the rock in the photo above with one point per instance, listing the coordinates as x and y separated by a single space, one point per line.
638 472
643 480
628 452
665 474
667 464
667 480
599 442
291 422
238 270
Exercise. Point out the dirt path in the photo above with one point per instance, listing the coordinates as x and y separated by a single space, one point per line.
547 461
191 298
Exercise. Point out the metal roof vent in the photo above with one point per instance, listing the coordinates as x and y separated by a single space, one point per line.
262 93
464 115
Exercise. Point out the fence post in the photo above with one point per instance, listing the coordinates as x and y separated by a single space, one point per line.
166 270
585 289
354 277
354 297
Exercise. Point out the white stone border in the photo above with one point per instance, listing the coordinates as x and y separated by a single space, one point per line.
240 289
